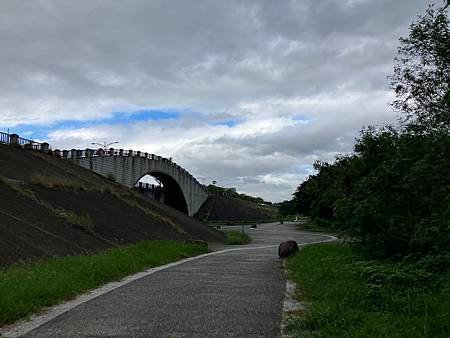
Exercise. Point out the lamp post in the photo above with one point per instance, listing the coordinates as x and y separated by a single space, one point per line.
203 179
104 145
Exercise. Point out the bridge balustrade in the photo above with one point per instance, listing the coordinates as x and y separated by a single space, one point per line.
14 139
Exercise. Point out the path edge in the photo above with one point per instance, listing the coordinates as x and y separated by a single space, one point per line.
289 302
24 326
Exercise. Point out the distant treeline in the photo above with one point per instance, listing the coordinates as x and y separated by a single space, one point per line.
393 192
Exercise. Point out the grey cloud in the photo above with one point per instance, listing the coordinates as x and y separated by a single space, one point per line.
152 53
256 60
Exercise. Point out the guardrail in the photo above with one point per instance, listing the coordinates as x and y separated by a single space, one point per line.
14 139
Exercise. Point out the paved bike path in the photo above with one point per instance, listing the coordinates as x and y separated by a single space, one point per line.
236 293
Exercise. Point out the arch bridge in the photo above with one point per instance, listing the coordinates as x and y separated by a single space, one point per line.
127 167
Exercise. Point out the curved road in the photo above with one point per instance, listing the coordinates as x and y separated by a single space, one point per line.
234 293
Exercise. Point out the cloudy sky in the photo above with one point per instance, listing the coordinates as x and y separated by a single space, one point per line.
248 93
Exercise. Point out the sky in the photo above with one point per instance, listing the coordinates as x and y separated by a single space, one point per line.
246 93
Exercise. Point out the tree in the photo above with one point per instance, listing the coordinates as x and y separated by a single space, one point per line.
421 76
393 192
287 208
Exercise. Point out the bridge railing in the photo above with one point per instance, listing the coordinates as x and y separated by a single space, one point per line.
4 138
79 153
86 153
16 140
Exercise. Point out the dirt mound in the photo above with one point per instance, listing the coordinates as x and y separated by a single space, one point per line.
230 209
52 207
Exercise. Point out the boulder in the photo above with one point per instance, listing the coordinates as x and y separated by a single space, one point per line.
288 248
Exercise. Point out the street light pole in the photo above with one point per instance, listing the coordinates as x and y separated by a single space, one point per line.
203 179
104 145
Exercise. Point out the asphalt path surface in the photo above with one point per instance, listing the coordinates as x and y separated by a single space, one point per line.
237 293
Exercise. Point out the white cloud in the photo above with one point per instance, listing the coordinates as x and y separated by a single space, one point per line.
302 77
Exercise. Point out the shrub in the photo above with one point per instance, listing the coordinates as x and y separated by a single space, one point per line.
236 238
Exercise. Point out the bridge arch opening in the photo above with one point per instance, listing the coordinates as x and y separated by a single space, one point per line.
164 188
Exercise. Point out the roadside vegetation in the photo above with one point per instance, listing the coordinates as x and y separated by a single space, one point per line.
391 196
28 287
350 295
312 226
235 237
393 192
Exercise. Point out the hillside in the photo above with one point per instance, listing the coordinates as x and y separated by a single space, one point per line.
51 207
231 209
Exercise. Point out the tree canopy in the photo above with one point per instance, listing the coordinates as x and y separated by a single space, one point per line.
393 192
421 78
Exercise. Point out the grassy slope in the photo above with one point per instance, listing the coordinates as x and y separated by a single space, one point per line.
52 207
222 209
26 288
353 297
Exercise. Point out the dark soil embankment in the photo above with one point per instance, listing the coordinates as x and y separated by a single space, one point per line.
52 207
229 209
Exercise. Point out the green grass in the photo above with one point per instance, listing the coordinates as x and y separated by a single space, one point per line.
26 288
236 237
351 296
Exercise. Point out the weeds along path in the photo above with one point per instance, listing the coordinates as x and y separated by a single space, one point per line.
236 292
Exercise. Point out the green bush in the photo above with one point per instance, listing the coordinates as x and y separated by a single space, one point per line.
236 238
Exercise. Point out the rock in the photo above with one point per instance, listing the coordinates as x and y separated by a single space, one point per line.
288 248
